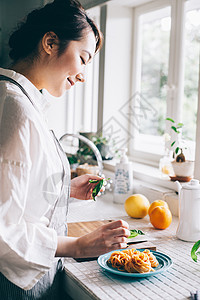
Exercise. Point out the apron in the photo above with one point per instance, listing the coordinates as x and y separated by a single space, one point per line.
49 287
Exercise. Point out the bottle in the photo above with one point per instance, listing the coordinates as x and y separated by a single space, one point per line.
123 179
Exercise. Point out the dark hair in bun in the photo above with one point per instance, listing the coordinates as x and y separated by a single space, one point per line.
66 18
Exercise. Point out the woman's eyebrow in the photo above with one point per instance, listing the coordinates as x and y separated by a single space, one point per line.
90 56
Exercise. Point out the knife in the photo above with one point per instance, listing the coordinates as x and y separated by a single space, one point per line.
140 239
137 239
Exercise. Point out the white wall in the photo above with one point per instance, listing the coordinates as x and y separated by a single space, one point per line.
117 66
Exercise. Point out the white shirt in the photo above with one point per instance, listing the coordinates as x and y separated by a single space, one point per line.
28 187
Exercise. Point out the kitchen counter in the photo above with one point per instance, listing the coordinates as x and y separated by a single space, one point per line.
86 280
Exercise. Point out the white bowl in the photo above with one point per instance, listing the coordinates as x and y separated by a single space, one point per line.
183 169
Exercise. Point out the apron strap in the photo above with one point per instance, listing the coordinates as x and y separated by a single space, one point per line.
5 78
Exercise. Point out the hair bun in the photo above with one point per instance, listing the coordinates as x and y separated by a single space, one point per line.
68 2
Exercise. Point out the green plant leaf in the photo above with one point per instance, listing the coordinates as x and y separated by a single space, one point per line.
72 159
180 125
134 233
172 144
194 252
176 150
174 128
171 120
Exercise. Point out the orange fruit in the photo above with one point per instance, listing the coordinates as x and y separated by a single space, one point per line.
157 203
160 217
137 206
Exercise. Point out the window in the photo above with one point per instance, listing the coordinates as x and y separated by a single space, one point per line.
152 67
167 72
155 31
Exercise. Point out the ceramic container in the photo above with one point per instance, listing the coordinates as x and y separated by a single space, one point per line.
183 169
189 211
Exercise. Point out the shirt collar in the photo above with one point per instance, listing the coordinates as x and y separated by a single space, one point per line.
39 100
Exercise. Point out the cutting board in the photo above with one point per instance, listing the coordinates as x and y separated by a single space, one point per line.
81 228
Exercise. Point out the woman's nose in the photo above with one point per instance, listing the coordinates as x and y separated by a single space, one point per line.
80 77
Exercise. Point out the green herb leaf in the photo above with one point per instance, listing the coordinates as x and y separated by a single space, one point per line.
194 252
172 144
96 180
141 232
171 120
93 180
97 189
134 233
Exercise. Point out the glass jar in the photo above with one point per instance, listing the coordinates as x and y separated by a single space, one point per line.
165 165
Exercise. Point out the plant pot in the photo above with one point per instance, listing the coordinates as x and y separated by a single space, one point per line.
183 169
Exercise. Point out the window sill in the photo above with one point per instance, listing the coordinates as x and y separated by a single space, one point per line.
149 182
145 173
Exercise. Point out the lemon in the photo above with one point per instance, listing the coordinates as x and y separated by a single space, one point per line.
137 206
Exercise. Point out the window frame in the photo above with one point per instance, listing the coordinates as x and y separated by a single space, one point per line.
140 156
197 152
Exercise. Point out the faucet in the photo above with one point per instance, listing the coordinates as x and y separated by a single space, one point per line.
89 144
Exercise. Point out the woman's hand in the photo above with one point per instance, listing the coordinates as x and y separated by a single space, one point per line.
106 238
81 188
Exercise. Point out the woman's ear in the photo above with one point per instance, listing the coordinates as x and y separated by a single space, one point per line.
50 42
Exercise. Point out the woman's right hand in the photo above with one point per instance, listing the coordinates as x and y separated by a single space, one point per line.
106 238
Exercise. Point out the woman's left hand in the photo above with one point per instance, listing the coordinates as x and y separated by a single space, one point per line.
81 188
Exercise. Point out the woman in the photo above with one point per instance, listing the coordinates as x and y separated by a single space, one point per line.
50 50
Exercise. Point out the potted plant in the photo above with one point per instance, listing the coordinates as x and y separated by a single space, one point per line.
181 166
103 143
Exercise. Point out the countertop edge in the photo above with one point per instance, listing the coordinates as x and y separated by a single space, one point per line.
76 289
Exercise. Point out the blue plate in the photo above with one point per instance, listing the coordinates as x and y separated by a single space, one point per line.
164 263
